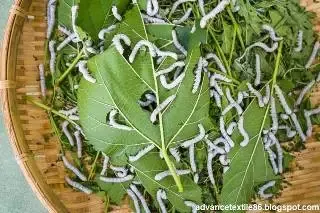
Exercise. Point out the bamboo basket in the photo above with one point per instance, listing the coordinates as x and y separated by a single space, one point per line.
36 148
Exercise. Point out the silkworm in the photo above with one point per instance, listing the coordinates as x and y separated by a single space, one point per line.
224 160
304 92
162 106
175 153
201 7
258 70
115 13
79 143
74 11
192 158
198 138
134 199
307 115
193 29
213 146
177 43
150 19
192 205
196 178
150 99
282 99
171 68
52 51
66 41
257 94
136 182
167 173
216 97
163 54
272 32
274 116
137 48
209 167
299 42
298 126
272 160
224 132
212 14
69 112
217 61
51 11
67 133
220 77
152 7
114 123
42 80
313 55
266 98
183 18
243 132
290 133
117 179
117 42
74 117
284 116
263 188
161 195
233 104
82 65
265 47
105 164
141 198
105 31
119 171
279 151
141 153
174 83
215 85
176 5
197 79
78 186
231 128
75 170
64 30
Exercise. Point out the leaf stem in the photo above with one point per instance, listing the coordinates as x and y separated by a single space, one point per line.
93 165
233 45
237 28
276 69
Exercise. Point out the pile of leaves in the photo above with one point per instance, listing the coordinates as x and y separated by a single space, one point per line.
120 86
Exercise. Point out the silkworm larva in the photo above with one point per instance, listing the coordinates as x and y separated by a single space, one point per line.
263 188
266 98
183 18
69 112
162 106
117 42
304 92
175 153
64 30
299 42
176 5
224 160
42 80
257 94
192 205
274 116
258 70
272 32
115 13
52 51
220 77
272 160
284 116
161 195
113 122
243 132
74 11
231 128
135 200
105 31
196 178
209 167
152 7
192 158
198 138
78 186
105 164
150 99
163 54
233 104
298 126
117 180
137 47
193 29
212 14
51 11
77 135
307 115
313 55
141 153
66 41
216 97
201 7
217 61
171 68
150 19
214 84
167 173
290 133
177 43
279 151
224 132
174 83
82 65
67 133
141 198
75 170
282 99
119 171
213 146
197 79
265 47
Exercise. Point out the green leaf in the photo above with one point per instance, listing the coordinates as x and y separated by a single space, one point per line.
227 38
64 13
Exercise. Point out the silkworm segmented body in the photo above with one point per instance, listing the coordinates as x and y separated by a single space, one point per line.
77 135
65 130
119 171
243 132
231 128
313 55
117 180
220 77
272 32
105 164
217 61
290 133
192 205
257 94
174 83
176 5
64 30
214 84
298 126
213 146
212 14
177 43
66 41
192 158
216 97
209 167
141 198
135 200
52 51
167 173
150 19
197 79
307 115
51 11
224 132
74 11
284 116
282 99
274 116
171 68
152 7
233 104
78 186
201 7
304 92
137 47
258 70
117 42
224 160
115 13
183 18
196 178
175 153
163 54
69 112
113 122
150 99
141 153
75 170
42 80
161 195
198 138
267 96
299 41
279 151
82 65
162 106
263 188
105 31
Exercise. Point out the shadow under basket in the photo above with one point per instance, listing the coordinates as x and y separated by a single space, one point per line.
37 149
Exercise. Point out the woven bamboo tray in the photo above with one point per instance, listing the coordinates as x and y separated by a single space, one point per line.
36 148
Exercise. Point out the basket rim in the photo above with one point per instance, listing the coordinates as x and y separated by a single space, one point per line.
23 156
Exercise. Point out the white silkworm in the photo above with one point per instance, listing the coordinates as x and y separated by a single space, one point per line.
217 61
177 43
117 179
74 117
77 135
196 178
299 41
119 171
231 128
69 112
167 173
82 65
298 126
150 99
174 83
263 188
243 132
192 158
284 116
232 104
141 153
105 31
183 18
175 153
257 94
176 5
272 160
64 30
141 198
216 97
258 70
282 99
265 47
75 170
67 133
212 14
171 68
272 32
117 42
201 7
279 151
274 116
209 167
192 205
150 19
224 160
74 11
213 146
224 132
163 54
140 44
78 186
304 92
215 85
307 115
113 122
162 106
105 164
290 133
220 77
135 200
152 7
197 79
52 51
161 195
42 80
51 11
193 29
313 55
66 41
266 98
115 13
198 138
